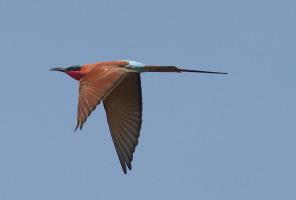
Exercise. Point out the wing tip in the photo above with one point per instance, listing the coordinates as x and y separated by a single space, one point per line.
76 128
124 165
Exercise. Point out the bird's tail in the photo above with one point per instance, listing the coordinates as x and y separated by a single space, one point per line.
174 69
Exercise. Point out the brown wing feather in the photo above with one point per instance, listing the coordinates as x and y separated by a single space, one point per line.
124 114
94 87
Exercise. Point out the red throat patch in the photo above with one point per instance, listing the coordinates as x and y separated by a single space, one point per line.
77 75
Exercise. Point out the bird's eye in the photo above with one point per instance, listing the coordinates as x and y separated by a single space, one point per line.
73 68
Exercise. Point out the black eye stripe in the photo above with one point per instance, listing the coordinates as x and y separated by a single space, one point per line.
73 68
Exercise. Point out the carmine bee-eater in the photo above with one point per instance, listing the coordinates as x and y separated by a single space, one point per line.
118 85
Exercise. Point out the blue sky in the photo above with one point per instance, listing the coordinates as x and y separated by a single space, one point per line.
203 136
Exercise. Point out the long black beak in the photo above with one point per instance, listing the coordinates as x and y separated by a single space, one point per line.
58 69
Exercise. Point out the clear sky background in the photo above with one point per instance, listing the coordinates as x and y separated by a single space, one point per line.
203 137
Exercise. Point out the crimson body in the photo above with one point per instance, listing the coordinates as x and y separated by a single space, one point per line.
118 85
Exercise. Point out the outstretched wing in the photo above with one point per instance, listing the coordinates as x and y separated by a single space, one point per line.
94 87
124 114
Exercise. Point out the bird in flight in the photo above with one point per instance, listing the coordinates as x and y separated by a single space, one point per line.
118 85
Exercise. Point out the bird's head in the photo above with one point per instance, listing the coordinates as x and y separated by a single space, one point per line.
75 71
